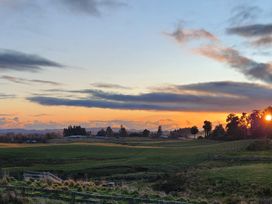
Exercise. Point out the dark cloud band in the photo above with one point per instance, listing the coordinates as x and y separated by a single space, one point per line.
211 96
108 86
254 30
19 80
18 61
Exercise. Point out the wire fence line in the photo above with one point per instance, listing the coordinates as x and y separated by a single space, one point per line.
83 197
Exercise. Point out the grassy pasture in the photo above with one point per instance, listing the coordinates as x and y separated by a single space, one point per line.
258 173
189 165
114 158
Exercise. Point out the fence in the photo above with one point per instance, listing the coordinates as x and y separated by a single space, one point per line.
41 176
82 197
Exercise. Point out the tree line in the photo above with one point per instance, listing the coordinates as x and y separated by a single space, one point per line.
237 126
74 130
257 124
28 138
123 132
108 132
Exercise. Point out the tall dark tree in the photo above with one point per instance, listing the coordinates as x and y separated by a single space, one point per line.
207 128
109 132
123 132
256 124
159 132
146 133
232 127
194 131
244 124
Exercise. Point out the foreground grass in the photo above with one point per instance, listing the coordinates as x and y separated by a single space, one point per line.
194 169
259 173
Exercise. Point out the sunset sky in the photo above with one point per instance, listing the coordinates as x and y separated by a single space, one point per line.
140 63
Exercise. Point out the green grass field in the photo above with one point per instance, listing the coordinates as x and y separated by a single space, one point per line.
187 164
88 157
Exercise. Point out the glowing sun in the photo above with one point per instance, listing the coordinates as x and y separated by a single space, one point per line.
268 117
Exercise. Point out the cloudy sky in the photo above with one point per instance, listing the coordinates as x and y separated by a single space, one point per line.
140 63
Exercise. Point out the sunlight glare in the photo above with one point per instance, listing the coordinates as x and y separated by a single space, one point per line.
268 117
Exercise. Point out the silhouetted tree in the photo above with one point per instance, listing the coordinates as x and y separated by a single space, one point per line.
218 132
146 133
109 132
244 124
181 132
253 125
256 124
232 127
207 127
123 132
101 133
194 131
75 130
159 132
